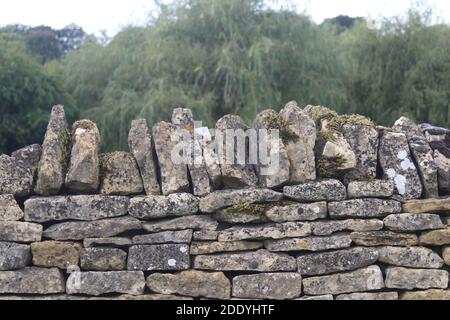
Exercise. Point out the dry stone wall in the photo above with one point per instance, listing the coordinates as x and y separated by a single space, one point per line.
354 211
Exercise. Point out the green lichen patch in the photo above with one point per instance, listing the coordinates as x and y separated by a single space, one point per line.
257 209
66 142
274 121
338 122
326 167
319 113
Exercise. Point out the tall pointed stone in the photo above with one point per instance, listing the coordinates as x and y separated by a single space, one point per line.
141 147
55 152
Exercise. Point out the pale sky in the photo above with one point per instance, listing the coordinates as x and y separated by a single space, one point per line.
111 15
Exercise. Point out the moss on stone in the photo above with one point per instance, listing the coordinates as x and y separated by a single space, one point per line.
319 113
66 138
326 167
275 121
327 135
339 121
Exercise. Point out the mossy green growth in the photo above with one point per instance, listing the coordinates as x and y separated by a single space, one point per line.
274 121
326 167
84 124
257 209
338 122
66 142
327 135
319 113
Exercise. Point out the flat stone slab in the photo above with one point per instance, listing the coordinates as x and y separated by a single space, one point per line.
182 236
436 237
427 205
100 283
227 198
384 238
189 222
267 231
363 208
152 207
107 242
242 214
56 254
164 257
413 257
366 279
198 248
9 209
320 190
103 259
260 261
338 241
80 230
336 261
192 283
82 207
446 255
297 212
14 179
326 228
370 189
369 296
206 235
325 297
14 256
404 278
413 222
432 294
276 286
17 231
32 280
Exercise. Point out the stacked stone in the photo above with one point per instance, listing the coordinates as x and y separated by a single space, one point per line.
136 226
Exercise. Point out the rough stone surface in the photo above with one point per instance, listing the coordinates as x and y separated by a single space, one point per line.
250 213
432 294
407 127
370 189
144 297
179 236
120 174
17 231
191 283
9 209
268 231
107 242
443 167
28 157
326 228
383 238
395 160
32 280
208 145
297 212
427 168
159 257
413 222
336 261
403 278
189 222
436 237
152 207
260 261
427 205
413 257
320 190
141 147
366 279
55 154
363 208
103 259
14 179
324 297
198 248
300 147
276 286
338 241
82 207
92 229
227 198
100 283
83 172
446 255
56 254
14 256
206 235
369 296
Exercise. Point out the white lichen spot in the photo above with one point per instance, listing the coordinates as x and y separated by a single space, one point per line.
183 249
316 210
391 173
172 262
407 164
402 154
79 131
400 184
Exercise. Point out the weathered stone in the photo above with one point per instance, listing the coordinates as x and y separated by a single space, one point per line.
120 174
14 179
227 198
151 207
336 261
55 154
174 176
338 241
432 294
191 283
436 237
384 238
326 228
407 127
206 235
107 242
32 280
404 278
260 261
90 229
17 231
324 297
414 257
212 163
370 189
103 259
300 143
276 286
99 283
366 279
198 248
443 167
320 190
367 296
28 157
427 168
446 255
143 297
163 257
241 214
397 165
141 147
182 236
363 208
82 207
297 212
14 256
413 222
267 231
427 205
9 209
364 142
188 222
56 254
50 297
83 173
